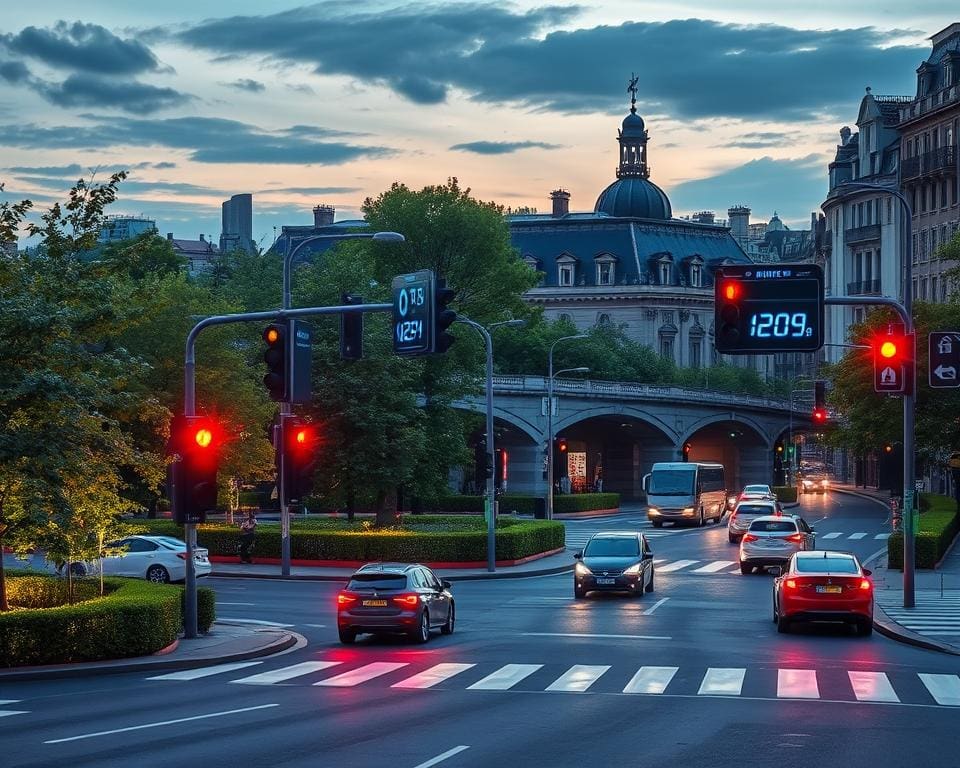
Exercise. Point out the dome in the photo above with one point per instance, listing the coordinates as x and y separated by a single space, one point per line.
632 125
634 197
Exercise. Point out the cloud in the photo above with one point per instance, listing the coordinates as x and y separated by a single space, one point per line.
312 190
692 68
83 48
759 140
128 95
127 186
501 147
14 72
246 84
205 139
74 169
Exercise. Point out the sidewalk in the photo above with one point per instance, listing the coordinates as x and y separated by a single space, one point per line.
224 643
934 621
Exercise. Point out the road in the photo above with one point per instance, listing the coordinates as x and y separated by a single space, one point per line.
693 674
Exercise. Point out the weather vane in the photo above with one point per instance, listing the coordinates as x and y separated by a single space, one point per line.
632 90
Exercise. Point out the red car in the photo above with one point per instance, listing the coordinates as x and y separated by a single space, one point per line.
823 586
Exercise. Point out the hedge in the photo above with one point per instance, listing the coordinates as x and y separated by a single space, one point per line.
526 505
785 493
135 618
425 538
939 524
585 502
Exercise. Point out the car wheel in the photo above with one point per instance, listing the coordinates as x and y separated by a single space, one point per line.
865 629
423 631
650 583
733 539
657 523
78 569
347 636
783 625
158 574
776 615
745 569
578 592
447 629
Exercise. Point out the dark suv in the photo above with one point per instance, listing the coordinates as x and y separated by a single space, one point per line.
395 598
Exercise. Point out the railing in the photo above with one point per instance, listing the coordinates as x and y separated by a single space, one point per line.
863 287
860 234
631 391
941 159
917 107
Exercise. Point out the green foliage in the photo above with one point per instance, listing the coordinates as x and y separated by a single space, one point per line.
585 502
785 493
42 591
938 527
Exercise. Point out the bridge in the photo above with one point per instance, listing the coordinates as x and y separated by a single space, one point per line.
615 431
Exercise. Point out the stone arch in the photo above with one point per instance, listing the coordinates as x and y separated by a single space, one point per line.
617 410
758 429
502 414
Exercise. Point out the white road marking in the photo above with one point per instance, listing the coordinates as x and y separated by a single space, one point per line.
286 673
316 626
432 676
224 602
857 535
945 689
160 723
258 622
797 684
872 686
4 702
716 565
586 634
8 712
651 680
882 536
722 681
578 678
831 535
442 756
676 565
193 674
505 678
656 605
364 673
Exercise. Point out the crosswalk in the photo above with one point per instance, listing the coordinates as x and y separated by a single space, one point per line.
796 682
932 615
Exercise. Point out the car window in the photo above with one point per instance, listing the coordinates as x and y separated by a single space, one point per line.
140 545
754 509
831 564
612 547
377 581
432 581
756 489
171 543
418 579
802 524
773 526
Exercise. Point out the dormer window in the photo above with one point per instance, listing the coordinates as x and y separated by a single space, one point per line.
566 269
696 276
664 273
531 261
606 269
566 274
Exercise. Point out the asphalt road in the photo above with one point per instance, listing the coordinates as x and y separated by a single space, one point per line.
693 674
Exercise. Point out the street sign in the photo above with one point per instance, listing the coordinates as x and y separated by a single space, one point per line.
944 359
888 379
413 313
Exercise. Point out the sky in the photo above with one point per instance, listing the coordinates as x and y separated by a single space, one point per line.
331 102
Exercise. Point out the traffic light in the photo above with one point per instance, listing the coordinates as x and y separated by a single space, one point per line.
443 317
482 463
727 314
893 361
192 476
562 445
277 379
300 442
686 451
351 329
888 448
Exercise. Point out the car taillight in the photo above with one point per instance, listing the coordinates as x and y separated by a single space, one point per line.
344 599
865 584
748 537
182 555
796 538
791 583
409 601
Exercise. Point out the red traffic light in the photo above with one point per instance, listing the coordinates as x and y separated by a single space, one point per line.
731 291
562 445
203 437
819 415
888 349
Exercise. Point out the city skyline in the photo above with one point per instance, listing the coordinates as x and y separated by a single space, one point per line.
515 100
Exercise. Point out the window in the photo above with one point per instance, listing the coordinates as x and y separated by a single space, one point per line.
933 241
664 274
773 526
889 211
603 319
605 273
943 290
140 545
566 274
696 345
666 346
933 288
378 581
565 317
696 276
923 289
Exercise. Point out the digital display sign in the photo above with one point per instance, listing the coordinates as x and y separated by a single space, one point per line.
413 313
762 309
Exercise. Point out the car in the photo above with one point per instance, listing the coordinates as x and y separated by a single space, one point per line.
772 540
745 512
395 598
160 559
814 484
758 489
823 586
614 561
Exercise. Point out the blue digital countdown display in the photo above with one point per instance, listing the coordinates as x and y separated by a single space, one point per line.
413 313
763 310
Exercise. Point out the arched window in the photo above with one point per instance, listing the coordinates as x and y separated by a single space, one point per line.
603 319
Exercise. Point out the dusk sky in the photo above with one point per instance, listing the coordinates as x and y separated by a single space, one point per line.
331 102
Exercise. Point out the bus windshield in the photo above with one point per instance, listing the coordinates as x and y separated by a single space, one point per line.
672 482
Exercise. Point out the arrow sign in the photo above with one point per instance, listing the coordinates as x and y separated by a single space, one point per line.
944 350
946 372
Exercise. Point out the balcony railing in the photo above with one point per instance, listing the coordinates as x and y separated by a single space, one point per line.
863 288
939 160
861 234
917 107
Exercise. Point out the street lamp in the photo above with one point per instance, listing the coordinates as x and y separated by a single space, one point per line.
909 400
287 302
550 379
490 508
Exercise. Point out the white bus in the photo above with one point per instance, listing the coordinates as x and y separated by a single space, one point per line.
685 492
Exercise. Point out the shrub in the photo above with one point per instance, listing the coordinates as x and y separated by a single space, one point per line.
938 527
785 493
586 502
42 591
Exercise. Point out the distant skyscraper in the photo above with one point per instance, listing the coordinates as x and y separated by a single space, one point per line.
237 226
117 228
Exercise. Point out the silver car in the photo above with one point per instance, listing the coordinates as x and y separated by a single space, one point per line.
772 540
745 512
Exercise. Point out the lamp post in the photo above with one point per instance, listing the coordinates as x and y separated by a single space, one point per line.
490 508
287 303
550 379
909 400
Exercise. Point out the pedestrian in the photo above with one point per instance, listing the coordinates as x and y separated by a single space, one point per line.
248 529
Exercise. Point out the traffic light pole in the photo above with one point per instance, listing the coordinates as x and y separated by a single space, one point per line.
909 417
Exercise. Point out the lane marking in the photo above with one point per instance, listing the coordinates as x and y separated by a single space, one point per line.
505 678
160 723
224 602
872 686
286 673
945 689
4 702
364 673
578 678
857 535
442 756
676 565
434 675
586 634
8 712
832 535
882 536
656 605
716 565
797 684
722 681
651 680
193 674
258 622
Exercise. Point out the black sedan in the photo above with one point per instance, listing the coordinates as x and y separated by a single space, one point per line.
616 562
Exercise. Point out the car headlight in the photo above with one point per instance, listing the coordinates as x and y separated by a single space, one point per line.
807 483
731 500
633 569
688 511
581 570
653 511
825 483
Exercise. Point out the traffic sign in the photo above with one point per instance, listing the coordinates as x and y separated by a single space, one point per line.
413 313
888 379
944 359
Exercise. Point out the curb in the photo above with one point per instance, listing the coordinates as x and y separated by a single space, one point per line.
143 664
881 502
553 570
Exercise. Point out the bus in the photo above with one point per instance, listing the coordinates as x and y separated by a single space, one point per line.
685 492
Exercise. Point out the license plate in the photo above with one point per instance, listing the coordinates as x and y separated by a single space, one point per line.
606 581
832 589
375 603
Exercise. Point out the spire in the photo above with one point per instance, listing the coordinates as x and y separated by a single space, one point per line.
633 140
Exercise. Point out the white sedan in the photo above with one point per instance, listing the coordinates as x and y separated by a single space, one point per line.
159 559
